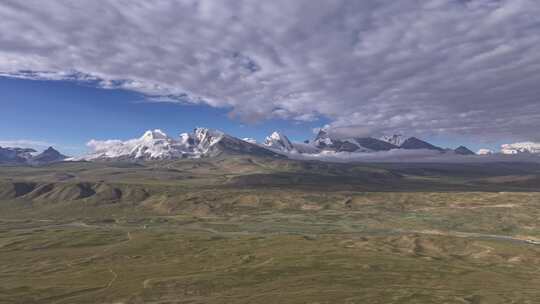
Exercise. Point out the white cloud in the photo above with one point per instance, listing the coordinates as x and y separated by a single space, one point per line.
435 66
415 156
484 152
100 145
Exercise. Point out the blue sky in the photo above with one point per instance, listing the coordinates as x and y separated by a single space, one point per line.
68 114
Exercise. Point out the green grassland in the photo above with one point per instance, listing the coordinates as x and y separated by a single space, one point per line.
253 230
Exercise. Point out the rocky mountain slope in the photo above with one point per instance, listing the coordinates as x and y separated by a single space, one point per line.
48 156
279 142
325 141
414 143
396 139
15 155
24 156
156 145
462 150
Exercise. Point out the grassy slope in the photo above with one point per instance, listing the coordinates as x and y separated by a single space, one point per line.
244 230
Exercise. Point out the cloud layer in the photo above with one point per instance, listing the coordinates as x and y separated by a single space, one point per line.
465 67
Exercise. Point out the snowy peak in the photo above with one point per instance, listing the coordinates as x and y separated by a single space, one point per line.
521 147
15 155
26 156
353 144
156 145
323 140
156 134
204 142
186 140
326 142
278 141
322 134
396 139
206 138
153 144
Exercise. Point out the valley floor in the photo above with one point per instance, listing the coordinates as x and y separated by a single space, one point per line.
98 238
267 257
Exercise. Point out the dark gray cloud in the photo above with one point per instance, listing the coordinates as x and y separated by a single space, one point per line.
419 67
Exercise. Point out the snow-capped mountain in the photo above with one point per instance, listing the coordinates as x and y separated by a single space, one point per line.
521 147
396 139
152 145
15 155
205 139
26 156
326 142
156 145
278 141
203 142
322 140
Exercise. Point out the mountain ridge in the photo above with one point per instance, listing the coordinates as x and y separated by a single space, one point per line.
204 142
28 156
156 145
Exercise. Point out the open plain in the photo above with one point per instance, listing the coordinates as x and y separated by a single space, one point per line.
256 230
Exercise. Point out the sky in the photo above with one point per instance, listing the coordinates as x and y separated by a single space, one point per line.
450 71
67 114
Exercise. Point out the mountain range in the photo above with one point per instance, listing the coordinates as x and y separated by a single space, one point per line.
204 142
156 145
30 156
